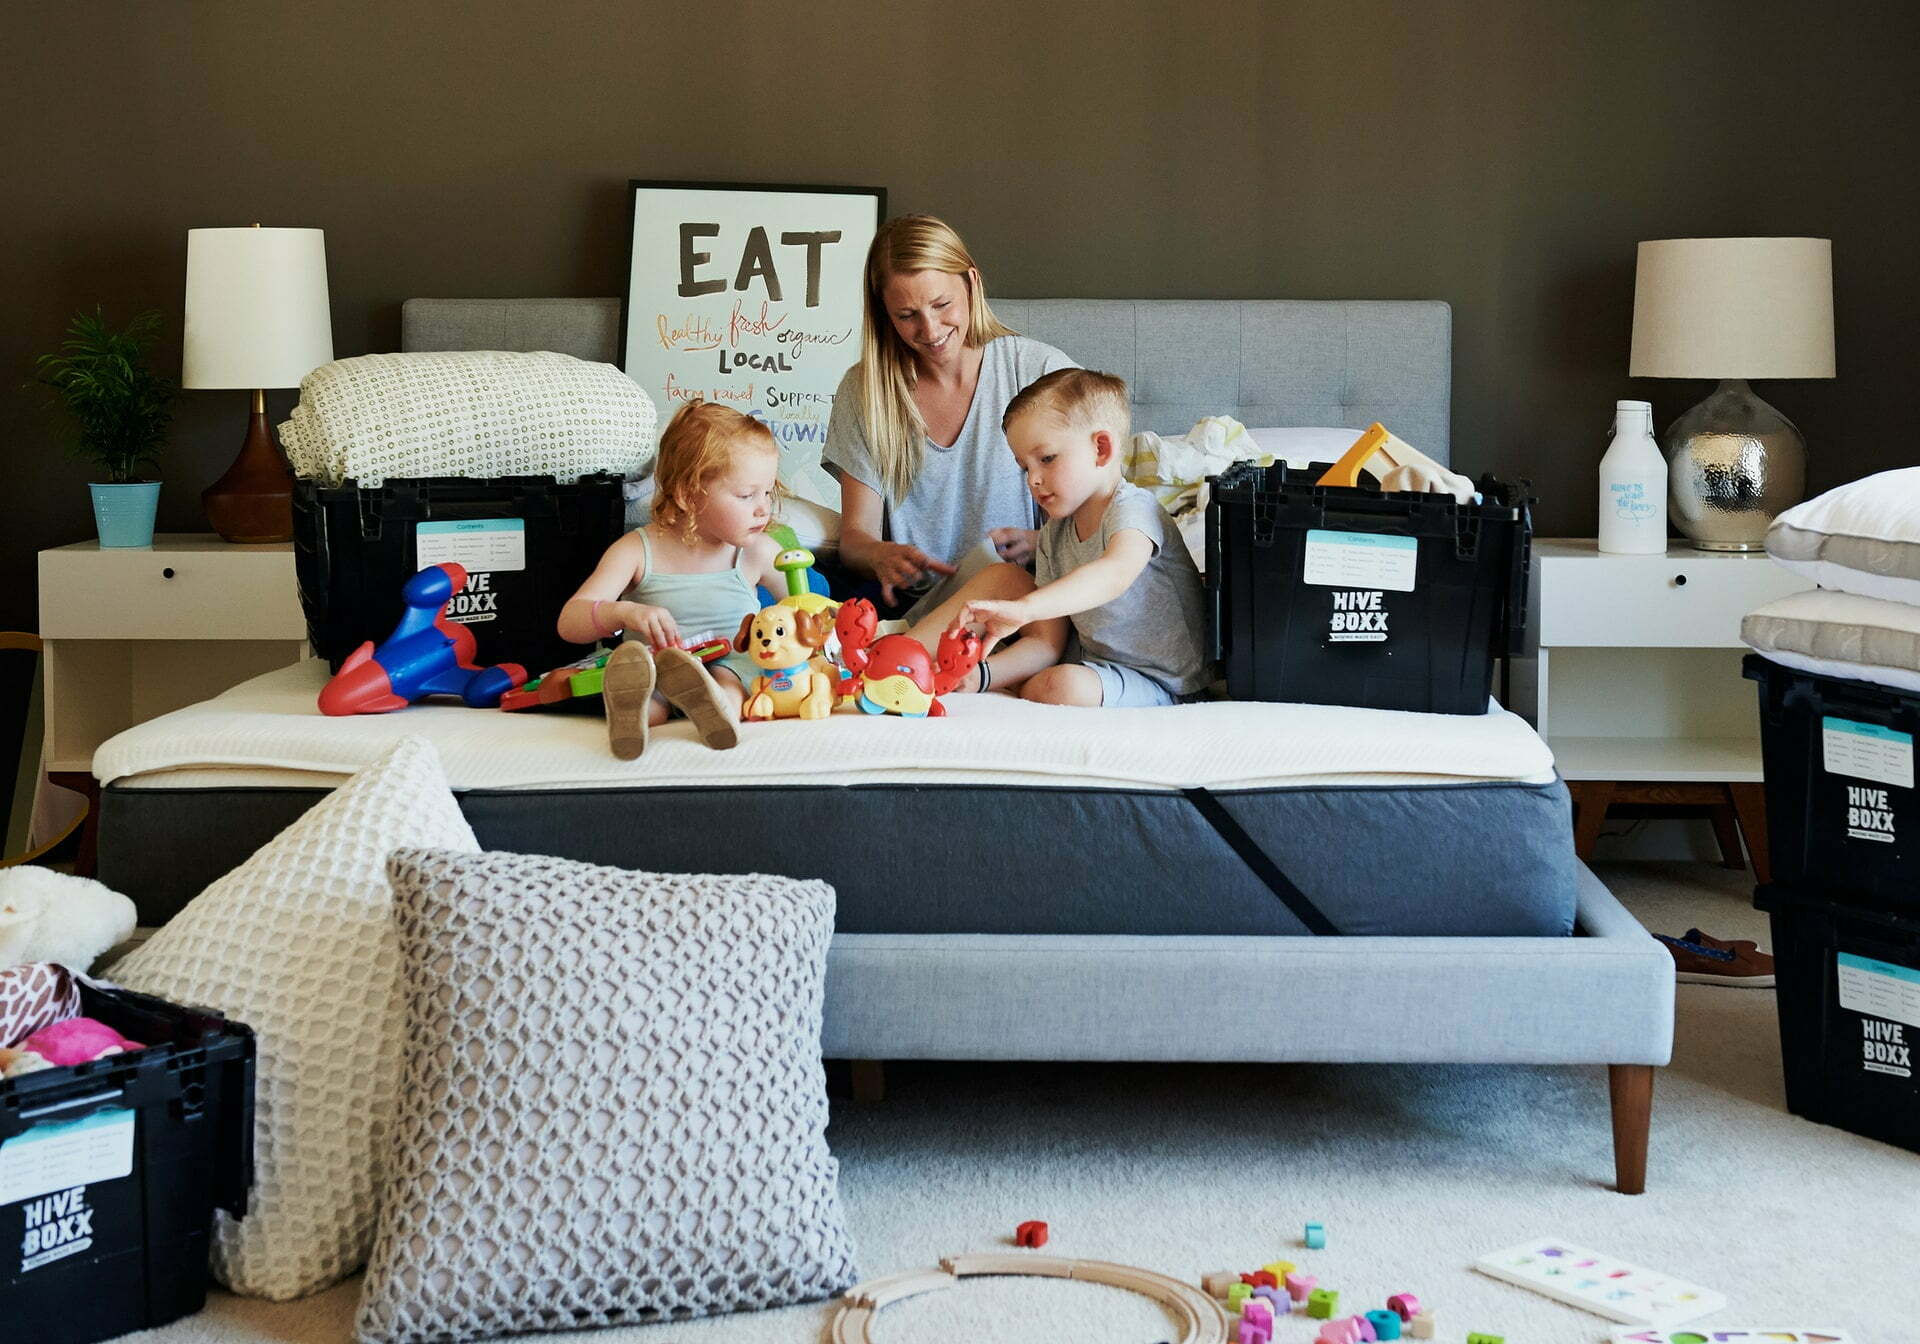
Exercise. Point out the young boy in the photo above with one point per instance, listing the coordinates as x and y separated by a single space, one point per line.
1109 557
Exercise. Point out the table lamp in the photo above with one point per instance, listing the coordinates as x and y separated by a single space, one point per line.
1733 309
256 317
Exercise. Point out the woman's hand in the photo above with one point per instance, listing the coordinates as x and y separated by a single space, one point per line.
994 619
653 626
1013 544
898 565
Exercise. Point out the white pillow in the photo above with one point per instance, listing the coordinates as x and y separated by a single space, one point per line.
1298 447
298 943
1862 537
467 413
1839 635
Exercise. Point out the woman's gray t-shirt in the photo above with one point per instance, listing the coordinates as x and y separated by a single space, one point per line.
965 489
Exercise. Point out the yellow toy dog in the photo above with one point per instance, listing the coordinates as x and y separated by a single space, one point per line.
794 681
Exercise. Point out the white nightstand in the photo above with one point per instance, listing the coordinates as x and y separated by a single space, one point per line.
1637 686
132 633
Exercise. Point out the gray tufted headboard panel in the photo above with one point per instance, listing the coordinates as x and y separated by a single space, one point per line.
1263 361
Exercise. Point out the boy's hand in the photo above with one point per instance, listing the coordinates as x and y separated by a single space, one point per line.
995 619
654 626
1013 544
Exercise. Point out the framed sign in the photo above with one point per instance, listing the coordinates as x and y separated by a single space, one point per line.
749 295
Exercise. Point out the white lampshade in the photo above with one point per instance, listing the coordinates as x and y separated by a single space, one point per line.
256 308
1733 308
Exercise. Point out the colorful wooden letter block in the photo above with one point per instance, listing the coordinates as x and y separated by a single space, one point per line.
1217 1283
1323 1302
1279 1269
1404 1305
1032 1234
1275 1298
1476 1337
1299 1285
1421 1326
1237 1294
1316 1237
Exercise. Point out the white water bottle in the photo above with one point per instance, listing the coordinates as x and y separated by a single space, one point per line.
1633 485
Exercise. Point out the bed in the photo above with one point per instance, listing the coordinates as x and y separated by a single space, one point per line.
1202 847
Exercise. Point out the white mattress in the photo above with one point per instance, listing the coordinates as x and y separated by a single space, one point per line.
266 732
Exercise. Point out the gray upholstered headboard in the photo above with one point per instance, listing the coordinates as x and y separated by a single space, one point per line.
1265 362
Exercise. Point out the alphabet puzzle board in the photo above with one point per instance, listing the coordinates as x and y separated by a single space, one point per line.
1600 1283
749 296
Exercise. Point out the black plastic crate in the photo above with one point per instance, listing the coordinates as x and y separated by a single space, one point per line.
1843 818
154 1142
1337 595
1848 981
526 543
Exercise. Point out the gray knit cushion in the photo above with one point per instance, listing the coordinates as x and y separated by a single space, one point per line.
613 1108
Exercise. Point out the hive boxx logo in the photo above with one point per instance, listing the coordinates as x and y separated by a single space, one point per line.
1359 616
1869 815
57 1226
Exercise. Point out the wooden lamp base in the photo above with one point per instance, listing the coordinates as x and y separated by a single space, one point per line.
253 501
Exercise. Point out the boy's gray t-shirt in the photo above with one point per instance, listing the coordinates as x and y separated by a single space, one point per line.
965 489
1158 626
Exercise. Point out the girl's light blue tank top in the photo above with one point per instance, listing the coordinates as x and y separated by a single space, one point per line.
715 601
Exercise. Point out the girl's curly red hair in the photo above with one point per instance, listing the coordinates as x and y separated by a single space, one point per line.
697 445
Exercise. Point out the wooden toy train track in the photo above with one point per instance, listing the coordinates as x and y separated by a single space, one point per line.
1203 1320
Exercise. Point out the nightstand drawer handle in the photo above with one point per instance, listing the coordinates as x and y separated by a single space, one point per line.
1679 580
167 573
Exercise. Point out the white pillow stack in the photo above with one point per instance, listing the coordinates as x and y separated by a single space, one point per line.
298 943
1861 544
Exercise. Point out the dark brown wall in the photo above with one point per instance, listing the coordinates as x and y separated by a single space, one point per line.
1503 155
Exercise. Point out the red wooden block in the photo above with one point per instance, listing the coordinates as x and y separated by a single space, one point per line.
1032 1233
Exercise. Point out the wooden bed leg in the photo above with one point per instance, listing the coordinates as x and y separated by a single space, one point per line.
1631 1088
869 1081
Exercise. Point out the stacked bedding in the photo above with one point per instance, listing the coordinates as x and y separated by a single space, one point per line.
1861 544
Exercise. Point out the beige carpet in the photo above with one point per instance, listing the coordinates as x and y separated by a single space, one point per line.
1414 1171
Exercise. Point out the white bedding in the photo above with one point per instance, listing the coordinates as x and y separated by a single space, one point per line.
267 732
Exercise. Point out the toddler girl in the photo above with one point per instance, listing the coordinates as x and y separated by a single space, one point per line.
689 571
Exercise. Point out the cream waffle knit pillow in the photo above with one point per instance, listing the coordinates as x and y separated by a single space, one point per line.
298 943
475 413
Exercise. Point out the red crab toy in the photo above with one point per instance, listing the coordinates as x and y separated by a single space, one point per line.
894 674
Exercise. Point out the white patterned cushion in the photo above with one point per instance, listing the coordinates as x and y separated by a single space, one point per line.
613 1108
475 413
298 943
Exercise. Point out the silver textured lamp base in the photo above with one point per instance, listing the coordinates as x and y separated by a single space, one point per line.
1733 464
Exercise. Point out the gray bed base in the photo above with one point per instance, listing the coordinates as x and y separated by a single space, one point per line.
1602 997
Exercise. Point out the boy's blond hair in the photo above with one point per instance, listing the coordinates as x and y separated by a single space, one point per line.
896 433
1080 397
697 445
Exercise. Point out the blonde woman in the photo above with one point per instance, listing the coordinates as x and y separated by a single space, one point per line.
930 494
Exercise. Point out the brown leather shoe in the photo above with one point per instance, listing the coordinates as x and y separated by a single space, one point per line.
625 688
1699 959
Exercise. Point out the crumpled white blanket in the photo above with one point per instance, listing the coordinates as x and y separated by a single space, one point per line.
1175 468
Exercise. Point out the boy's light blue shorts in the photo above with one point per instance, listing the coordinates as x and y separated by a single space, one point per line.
1123 687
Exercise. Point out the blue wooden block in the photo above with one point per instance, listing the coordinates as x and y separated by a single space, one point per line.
1386 1324
1316 1237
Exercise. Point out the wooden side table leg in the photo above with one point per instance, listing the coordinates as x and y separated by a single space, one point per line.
1726 831
1591 798
1750 805
83 783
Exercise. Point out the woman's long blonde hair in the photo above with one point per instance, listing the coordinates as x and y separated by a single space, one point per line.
896 434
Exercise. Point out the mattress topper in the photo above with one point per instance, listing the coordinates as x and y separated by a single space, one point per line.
267 731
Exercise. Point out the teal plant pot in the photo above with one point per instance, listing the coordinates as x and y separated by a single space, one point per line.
124 513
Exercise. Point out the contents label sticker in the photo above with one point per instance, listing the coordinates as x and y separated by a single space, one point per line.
477 545
1360 560
1866 751
58 1157
1878 988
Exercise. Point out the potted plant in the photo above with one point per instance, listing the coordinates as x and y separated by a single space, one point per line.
121 408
